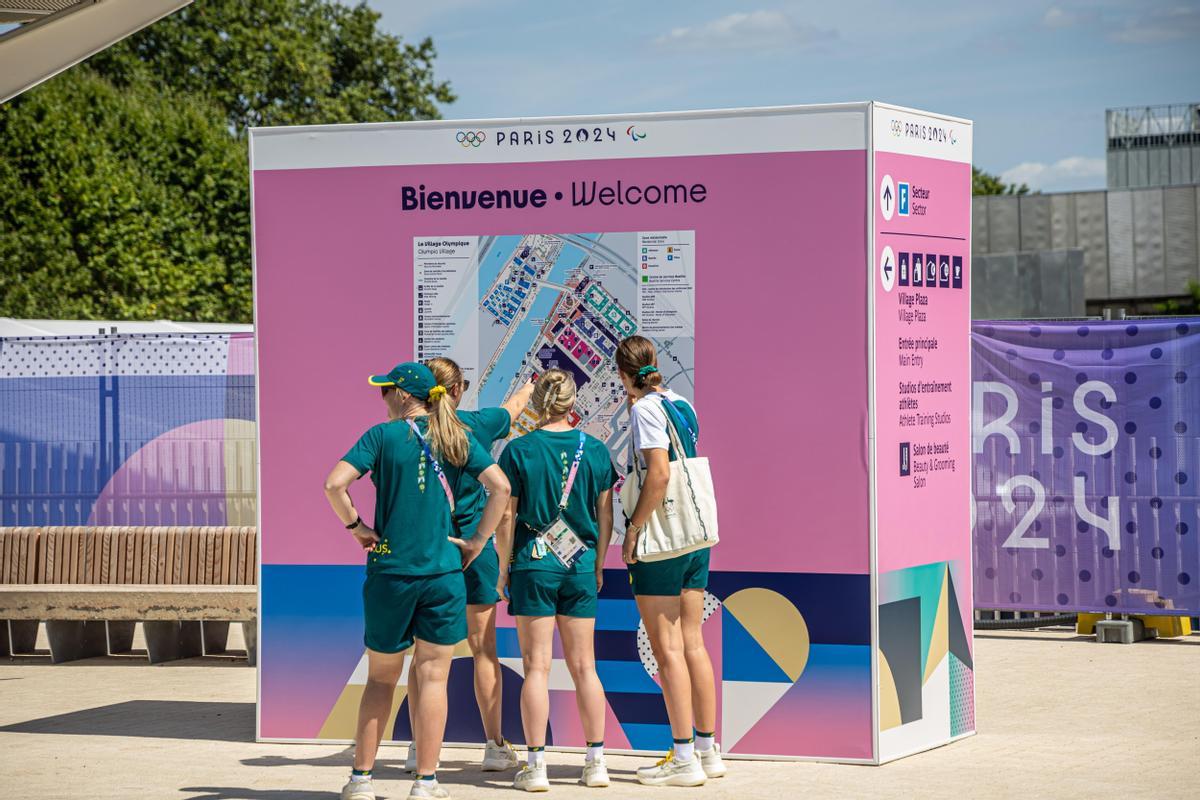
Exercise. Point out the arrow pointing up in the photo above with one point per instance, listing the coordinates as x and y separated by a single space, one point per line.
887 195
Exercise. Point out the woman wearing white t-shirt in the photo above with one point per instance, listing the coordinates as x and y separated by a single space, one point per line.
669 593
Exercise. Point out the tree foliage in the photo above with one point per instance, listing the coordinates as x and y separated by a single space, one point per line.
984 183
124 185
284 62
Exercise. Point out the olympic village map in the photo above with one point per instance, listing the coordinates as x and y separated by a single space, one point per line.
507 308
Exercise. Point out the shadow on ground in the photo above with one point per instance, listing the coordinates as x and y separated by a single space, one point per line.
235 793
451 773
156 719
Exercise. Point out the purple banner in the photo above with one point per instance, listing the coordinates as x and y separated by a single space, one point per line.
1087 465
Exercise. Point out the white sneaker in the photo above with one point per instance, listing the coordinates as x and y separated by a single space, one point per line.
532 779
499 757
595 773
710 761
358 790
410 763
426 789
670 772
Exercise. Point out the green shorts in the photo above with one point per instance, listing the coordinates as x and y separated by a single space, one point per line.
400 608
668 578
541 593
482 576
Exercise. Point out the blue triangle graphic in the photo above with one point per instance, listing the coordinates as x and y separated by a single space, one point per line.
742 658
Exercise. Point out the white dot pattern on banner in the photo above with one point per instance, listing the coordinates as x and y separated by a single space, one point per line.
114 354
646 653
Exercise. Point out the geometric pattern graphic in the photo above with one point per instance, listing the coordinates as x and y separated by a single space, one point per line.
790 652
962 698
128 429
900 662
926 680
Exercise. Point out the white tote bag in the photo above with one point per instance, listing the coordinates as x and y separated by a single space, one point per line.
686 520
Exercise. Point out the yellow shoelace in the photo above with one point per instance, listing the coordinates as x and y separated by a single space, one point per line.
667 760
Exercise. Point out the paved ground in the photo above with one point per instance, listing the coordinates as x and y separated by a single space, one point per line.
1059 717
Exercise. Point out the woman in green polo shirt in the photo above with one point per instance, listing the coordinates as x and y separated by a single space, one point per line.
669 593
414 592
552 549
486 426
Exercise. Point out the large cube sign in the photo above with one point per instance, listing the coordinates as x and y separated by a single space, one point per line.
759 249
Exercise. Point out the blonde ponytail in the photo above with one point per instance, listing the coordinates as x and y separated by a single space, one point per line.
554 395
447 434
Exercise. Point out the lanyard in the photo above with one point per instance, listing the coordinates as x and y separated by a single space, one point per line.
668 408
437 468
562 503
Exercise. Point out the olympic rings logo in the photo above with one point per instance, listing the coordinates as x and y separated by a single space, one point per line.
471 138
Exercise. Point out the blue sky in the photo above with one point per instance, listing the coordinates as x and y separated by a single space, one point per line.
1034 76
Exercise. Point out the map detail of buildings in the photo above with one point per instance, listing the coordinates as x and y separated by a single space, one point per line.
507 308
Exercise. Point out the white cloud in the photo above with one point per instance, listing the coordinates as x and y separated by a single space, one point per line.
1160 25
1058 17
756 30
1074 172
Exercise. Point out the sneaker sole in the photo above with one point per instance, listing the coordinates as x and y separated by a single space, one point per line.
595 785
674 780
720 773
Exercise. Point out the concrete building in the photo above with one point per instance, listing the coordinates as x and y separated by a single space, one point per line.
1135 245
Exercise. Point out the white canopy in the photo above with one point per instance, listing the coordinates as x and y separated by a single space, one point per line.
52 35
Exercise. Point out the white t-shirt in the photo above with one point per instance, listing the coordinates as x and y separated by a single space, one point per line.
648 422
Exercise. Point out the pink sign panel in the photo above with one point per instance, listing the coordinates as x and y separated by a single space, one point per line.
923 457
736 241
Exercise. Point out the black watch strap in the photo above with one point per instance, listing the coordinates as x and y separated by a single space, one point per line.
355 524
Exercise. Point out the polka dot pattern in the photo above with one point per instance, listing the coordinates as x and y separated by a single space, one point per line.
120 355
1128 540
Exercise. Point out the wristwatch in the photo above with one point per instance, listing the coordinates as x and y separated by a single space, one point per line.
355 524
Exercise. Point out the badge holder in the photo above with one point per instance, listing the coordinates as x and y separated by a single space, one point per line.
558 537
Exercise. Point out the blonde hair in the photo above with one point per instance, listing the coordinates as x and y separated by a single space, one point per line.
447 433
553 395
445 371
635 353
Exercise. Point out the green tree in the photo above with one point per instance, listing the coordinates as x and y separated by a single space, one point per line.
121 203
984 183
284 62
124 185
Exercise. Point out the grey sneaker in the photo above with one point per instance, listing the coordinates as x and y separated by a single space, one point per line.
499 757
710 761
358 790
671 772
425 789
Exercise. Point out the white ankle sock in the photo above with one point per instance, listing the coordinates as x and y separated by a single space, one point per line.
595 751
704 743
535 758
683 751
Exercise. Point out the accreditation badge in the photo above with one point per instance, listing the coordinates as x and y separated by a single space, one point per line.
559 539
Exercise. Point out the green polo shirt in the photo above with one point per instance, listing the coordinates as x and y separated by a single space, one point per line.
488 425
537 465
412 514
